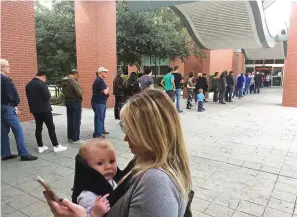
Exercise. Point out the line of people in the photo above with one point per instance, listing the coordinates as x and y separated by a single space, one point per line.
38 97
226 87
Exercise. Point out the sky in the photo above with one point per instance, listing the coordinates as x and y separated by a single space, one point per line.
278 13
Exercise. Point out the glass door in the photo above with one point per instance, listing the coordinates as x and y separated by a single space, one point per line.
277 76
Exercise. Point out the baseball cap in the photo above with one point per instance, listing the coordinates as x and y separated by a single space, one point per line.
73 71
101 69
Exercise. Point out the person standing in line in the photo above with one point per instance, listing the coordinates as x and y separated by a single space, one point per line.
215 86
39 97
146 80
99 99
73 97
258 80
230 87
222 87
205 86
248 83
252 86
190 90
200 82
200 99
168 83
118 91
178 80
131 86
240 83
9 117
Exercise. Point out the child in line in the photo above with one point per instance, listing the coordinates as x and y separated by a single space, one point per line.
95 170
200 99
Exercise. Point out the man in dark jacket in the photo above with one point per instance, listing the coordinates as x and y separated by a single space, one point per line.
230 86
118 91
222 87
38 97
73 97
258 81
215 86
205 86
9 117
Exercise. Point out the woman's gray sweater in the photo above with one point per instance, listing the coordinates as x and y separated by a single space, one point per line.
153 194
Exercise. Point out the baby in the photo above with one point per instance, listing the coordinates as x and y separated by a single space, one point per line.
95 169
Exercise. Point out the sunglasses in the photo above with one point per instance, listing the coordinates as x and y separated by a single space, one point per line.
122 126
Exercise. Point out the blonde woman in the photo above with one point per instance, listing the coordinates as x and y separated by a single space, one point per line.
161 180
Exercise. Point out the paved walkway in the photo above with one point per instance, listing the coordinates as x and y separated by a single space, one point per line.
243 160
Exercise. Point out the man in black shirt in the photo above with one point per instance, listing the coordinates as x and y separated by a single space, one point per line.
39 97
230 86
178 80
118 91
9 117
99 98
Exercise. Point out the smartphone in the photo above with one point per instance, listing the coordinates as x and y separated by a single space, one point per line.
48 188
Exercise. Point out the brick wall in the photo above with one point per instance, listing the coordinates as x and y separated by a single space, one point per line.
18 46
221 60
95 24
290 74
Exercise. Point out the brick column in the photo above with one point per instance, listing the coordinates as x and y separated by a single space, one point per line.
18 46
95 24
290 70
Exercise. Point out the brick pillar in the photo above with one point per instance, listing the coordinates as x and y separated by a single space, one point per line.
18 46
290 72
95 24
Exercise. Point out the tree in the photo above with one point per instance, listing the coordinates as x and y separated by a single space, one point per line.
55 38
157 34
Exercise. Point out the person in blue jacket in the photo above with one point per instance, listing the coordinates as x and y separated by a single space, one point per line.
240 82
248 81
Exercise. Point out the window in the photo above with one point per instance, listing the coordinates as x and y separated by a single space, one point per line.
279 61
249 61
268 61
163 70
277 71
249 69
259 62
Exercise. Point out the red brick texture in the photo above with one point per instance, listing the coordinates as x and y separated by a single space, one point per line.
290 73
95 24
18 46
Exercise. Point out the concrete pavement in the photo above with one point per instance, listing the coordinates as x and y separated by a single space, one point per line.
243 160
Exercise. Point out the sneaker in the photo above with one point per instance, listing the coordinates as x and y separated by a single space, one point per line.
78 141
59 148
9 157
99 137
105 132
29 157
180 111
70 141
42 149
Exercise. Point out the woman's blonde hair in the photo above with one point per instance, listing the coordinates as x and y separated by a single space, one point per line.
199 75
151 120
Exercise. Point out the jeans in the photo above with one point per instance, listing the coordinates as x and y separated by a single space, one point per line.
9 120
252 88
170 93
47 118
240 91
119 103
215 95
247 89
190 97
257 88
200 106
235 93
228 95
178 95
73 120
221 95
99 118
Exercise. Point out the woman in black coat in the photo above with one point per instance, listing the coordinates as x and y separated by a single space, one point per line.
200 84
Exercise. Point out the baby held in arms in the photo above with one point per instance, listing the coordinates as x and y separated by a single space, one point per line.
95 169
